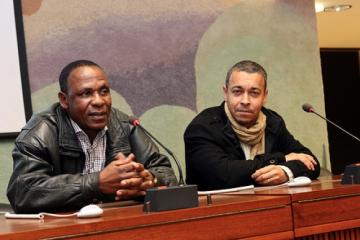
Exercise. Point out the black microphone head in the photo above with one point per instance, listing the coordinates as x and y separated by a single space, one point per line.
307 107
134 121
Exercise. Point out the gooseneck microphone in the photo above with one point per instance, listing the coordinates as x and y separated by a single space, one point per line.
308 108
168 198
352 172
136 122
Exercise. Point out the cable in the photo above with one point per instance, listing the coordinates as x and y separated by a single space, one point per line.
225 190
37 216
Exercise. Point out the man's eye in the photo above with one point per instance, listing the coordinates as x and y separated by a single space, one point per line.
237 92
86 94
254 94
104 91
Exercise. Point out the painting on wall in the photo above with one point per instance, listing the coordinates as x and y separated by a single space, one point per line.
167 60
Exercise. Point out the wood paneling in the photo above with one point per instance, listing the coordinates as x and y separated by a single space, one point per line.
228 217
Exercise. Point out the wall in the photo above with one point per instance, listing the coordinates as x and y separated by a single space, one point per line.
6 146
167 60
339 29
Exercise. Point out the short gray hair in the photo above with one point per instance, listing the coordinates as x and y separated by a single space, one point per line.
246 66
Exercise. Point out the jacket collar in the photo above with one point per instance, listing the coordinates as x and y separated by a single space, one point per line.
68 142
272 126
67 137
116 131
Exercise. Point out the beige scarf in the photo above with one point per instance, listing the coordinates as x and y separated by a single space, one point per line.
253 136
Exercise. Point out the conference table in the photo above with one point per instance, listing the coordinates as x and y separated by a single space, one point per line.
227 217
326 209
323 210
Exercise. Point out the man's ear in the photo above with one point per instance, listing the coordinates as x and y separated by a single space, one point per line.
63 100
266 96
225 90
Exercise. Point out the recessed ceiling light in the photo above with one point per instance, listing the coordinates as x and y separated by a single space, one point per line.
319 7
337 8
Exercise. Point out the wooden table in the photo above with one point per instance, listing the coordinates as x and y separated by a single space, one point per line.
228 217
324 210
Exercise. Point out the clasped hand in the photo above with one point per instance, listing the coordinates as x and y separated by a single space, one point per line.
125 178
274 174
270 175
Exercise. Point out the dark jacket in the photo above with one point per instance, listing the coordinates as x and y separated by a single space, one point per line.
215 159
48 162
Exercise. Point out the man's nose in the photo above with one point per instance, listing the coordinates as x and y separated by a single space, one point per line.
97 99
245 99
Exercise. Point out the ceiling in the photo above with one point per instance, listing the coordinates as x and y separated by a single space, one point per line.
339 29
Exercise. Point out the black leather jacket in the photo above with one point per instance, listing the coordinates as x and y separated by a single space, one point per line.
48 162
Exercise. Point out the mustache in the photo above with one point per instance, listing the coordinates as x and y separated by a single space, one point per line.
244 110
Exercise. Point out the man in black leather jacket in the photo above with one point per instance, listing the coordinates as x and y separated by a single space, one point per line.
241 142
83 151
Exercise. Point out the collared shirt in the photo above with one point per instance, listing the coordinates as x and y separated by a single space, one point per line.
246 149
94 153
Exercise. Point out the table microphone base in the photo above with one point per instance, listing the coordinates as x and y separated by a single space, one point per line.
169 198
351 174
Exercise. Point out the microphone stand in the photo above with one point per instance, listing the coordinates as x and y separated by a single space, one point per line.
352 172
342 129
181 178
168 198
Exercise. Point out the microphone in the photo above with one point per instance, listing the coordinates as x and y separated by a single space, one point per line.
136 122
308 108
352 171
174 197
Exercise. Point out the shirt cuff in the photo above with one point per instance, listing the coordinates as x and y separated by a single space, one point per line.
288 172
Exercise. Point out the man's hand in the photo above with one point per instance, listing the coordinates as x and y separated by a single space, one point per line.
125 178
270 175
306 159
148 180
135 186
121 168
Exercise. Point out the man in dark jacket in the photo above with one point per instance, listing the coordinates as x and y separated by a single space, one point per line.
241 142
82 150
